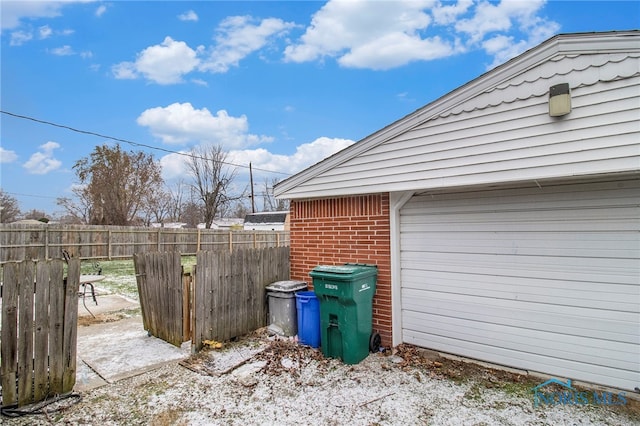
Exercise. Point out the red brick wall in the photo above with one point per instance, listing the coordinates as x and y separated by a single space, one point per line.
335 231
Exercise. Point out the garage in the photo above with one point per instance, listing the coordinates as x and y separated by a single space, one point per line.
504 217
543 277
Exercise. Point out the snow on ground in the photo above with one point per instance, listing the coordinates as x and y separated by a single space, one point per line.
286 384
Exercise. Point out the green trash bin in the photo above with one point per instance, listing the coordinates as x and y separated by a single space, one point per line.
346 308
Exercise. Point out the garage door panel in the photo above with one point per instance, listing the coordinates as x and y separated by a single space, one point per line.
556 197
547 267
624 224
583 294
619 355
619 378
550 244
590 323
546 278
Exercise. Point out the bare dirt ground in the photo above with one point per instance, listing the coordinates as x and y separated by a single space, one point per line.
271 381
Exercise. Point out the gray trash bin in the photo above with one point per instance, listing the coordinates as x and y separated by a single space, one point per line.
283 318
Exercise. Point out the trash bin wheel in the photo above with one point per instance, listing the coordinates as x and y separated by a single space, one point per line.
374 342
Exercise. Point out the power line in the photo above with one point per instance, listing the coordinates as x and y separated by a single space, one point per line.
138 144
30 195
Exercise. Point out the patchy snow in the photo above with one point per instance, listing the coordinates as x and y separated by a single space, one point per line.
283 383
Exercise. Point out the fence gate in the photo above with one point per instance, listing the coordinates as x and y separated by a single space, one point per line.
229 291
39 330
161 289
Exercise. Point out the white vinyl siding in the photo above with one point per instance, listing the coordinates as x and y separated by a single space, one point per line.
506 135
543 279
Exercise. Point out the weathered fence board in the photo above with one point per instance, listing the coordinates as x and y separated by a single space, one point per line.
39 329
160 288
46 241
229 291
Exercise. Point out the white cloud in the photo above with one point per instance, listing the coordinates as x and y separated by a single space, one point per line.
181 124
45 31
101 10
238 37
305 155
20 37
174 165
164 63
43 161
506 29
199 82
448 14
7 156
353 31
394 50
65 50
395 33
490 17
189 15
124 71
15 11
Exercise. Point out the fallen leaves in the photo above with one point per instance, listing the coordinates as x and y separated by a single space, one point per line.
212 344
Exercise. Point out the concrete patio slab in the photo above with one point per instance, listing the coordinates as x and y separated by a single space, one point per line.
109 352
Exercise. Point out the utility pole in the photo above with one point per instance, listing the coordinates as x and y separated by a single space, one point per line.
253 203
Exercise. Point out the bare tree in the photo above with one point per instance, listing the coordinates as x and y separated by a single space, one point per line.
119 184
37 215
191 214
9 208
240 209
212 180
157 207
177 203
78 209
269 201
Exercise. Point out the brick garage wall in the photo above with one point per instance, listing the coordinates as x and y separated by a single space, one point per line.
335 231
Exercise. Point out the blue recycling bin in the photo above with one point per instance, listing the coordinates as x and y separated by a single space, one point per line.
308 307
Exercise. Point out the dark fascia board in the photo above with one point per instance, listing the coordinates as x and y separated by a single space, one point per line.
562 44
269 217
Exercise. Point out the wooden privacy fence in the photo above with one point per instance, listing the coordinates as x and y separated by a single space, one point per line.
224 298
46 241
229 291
39 330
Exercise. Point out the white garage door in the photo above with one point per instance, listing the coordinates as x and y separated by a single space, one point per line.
544 279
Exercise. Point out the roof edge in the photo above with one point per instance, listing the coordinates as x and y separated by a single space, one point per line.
560 44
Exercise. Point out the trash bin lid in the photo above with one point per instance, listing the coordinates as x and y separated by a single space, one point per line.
346 270
287 286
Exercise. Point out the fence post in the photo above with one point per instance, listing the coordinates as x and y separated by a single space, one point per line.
254 239
230 242
198 242
159 233
109 244
186 307
46 243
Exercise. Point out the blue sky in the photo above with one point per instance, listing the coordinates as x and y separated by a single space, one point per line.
279 84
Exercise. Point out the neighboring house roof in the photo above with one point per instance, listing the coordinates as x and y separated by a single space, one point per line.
378 163
169 225
264 218
223 223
